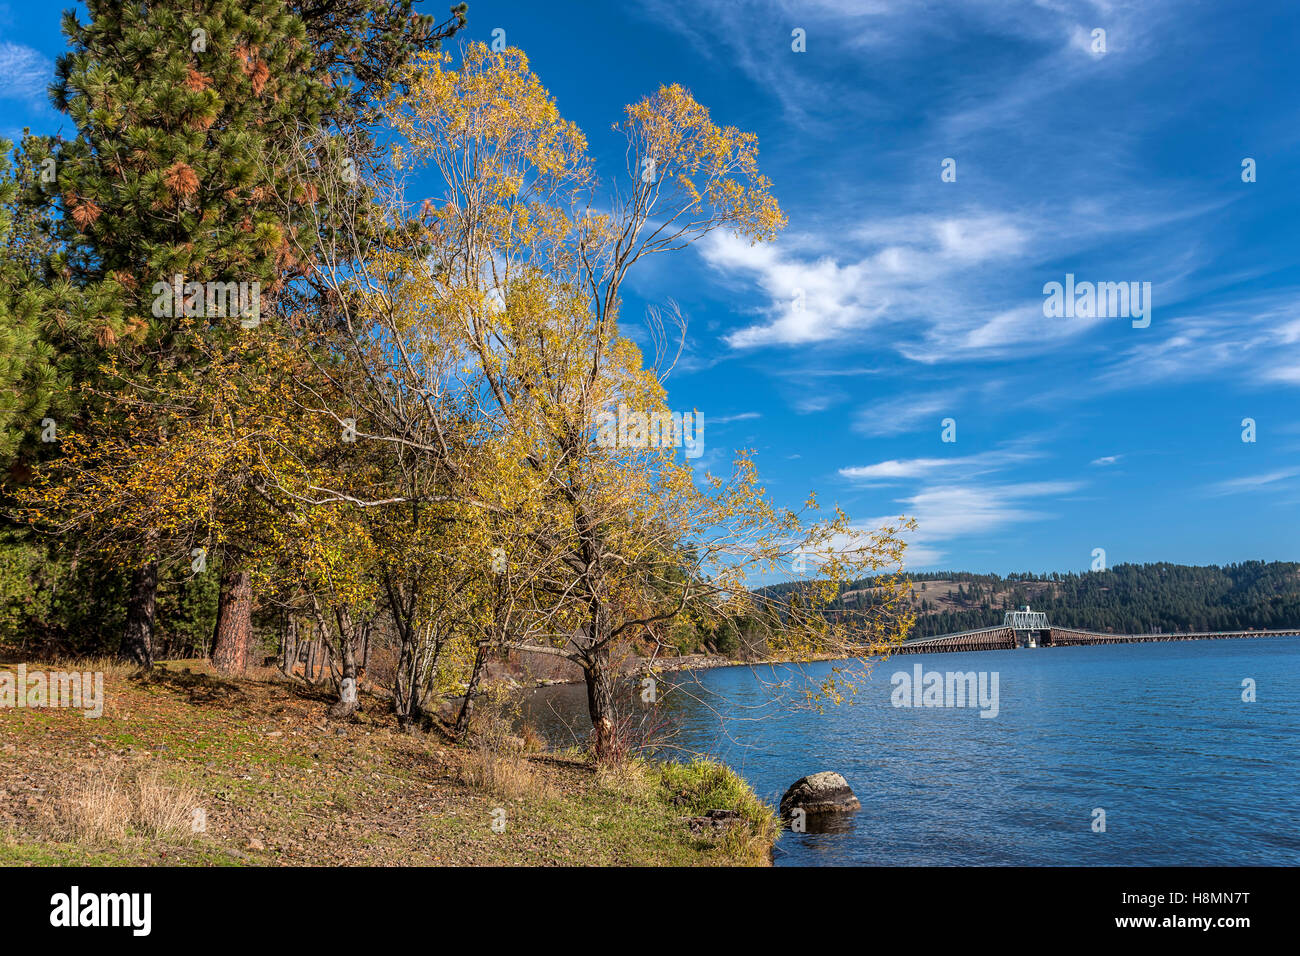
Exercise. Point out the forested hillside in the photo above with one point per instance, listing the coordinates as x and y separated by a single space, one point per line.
1128 598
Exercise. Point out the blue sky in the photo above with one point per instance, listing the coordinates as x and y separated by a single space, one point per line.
922 300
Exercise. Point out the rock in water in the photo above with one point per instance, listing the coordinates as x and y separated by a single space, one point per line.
818 794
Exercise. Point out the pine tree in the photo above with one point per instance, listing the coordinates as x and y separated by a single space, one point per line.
28 368
166 189
186 116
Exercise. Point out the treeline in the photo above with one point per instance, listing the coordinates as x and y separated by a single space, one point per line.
256 396
1125 599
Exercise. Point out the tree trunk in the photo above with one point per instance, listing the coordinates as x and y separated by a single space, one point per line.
347 702
324 660
406 679
407 675
462 719
421 670
417 661
137 640
234 631
600 703
289 647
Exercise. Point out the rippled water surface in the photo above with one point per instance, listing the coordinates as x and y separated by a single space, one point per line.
1155 734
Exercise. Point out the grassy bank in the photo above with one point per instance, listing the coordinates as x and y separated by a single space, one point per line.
185 768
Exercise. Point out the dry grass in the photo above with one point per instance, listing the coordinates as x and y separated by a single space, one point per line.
95 809
118 787
505 776
263 673
162 810
105 807
108 666
533 742
635 780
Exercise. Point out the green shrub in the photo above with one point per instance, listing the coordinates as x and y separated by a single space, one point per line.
704 785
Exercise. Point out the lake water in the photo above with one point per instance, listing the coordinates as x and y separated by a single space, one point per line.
1156 735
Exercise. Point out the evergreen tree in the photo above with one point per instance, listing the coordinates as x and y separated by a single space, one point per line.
28 371
177 181
166 191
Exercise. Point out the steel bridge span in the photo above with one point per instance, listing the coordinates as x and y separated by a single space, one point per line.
1025 628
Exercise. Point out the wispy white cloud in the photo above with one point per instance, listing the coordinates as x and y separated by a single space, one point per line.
807 403
741 417
754 38
941 288
811 300
964 283
24 73
945 513
949 511
905 413
964 465
1248 483
815 297
1259 338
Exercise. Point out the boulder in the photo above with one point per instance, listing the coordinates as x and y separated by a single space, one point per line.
818 794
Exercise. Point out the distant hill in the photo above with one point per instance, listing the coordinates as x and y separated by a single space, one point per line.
1128 598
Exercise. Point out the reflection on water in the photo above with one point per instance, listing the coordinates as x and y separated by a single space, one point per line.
1155 734
830 823
559 714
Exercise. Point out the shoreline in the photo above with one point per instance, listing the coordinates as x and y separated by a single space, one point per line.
645 666
280 783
